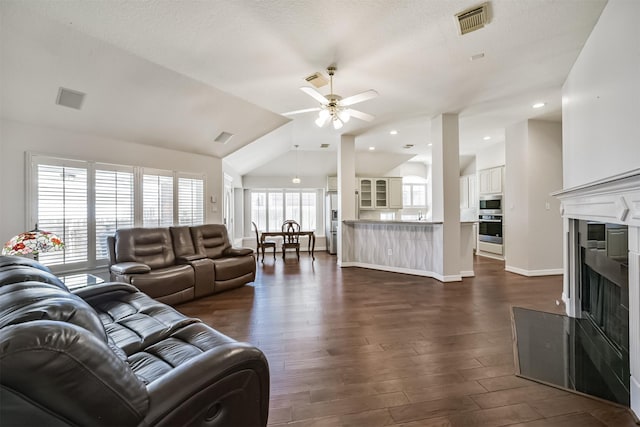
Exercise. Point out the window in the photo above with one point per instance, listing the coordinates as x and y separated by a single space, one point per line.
157 200
259 209
62 209
414 192
190 201
269 209
85 202
114 204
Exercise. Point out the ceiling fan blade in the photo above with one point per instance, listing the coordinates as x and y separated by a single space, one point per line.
360 115
306 110
360 97
314 94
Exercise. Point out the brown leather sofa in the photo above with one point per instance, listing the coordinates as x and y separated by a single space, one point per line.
178 264
109 355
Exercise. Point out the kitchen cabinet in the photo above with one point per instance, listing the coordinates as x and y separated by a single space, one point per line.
381 200
380 193
490 180
366 198
468 192
395 193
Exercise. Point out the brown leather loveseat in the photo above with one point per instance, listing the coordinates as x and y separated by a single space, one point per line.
178 264
109 355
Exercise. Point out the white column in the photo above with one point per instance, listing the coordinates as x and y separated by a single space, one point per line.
634 318
347 209
445 178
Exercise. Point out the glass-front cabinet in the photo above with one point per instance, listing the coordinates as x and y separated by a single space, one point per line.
366 198
381 193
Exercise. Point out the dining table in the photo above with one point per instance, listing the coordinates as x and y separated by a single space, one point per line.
311 244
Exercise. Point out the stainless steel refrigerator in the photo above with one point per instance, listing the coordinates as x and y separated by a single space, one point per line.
331 222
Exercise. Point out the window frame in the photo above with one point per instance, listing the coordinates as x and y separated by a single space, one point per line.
32 161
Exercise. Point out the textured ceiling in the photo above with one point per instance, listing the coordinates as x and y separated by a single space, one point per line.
407 50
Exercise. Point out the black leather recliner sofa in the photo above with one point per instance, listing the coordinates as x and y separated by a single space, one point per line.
109 355
178 264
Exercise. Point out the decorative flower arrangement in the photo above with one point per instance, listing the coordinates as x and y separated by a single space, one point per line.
32 242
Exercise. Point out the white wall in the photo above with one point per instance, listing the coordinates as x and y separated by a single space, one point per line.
533 225
601 99
420 169
18 138
491 156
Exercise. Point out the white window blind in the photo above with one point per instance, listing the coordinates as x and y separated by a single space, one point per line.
190 201
62 209
292 206
275 212
259 209
308 216
114 201
157 200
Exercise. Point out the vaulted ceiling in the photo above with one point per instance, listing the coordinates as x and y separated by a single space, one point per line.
176 74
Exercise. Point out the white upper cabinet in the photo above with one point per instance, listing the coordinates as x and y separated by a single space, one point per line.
395 193
490 180
380 193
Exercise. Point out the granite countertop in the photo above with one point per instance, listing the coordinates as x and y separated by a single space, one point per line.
385 221
389 221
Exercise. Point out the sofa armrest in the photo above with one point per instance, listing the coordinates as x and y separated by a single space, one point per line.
228 383
238 252
103 289
130 268
186 259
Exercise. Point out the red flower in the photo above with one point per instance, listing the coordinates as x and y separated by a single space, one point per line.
56 241
18 246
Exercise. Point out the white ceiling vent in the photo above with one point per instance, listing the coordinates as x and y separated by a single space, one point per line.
317 79
70 98
473 18
325 145
224 137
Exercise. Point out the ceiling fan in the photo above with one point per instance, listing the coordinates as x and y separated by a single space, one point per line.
333 108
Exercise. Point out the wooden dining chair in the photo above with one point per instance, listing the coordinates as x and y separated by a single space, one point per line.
291 230
264 244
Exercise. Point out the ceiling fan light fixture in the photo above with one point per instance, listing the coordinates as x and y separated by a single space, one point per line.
337 123
344 115
321 121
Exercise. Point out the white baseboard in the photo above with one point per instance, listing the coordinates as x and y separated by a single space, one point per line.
532 273
424 273
470 273
489 255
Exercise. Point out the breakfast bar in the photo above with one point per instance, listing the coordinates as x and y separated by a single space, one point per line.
410 247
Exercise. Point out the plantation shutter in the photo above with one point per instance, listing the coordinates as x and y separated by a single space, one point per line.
61 202
190 201
114 201
157 200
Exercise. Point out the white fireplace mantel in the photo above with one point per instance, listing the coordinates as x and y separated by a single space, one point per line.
613 200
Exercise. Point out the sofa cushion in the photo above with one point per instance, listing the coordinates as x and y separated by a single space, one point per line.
210 240
28 301
164 281
23 273
232 268
135 321
150 246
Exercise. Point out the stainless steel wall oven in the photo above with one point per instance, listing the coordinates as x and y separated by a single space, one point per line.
490 229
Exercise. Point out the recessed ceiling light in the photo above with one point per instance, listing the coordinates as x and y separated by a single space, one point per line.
539 105
486 138
429 145
393 132
372 148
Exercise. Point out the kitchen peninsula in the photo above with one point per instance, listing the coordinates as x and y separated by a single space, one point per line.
410 247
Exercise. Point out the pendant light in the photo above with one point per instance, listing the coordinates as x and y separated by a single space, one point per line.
296 180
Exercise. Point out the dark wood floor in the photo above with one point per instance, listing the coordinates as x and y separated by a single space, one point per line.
357 347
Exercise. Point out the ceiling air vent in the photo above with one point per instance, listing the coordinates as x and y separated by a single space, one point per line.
70 98
472 19
224 137
317 79
325 145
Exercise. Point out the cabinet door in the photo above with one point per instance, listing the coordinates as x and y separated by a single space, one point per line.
381 193
485 181
496 180
473 192
395 193
366 199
